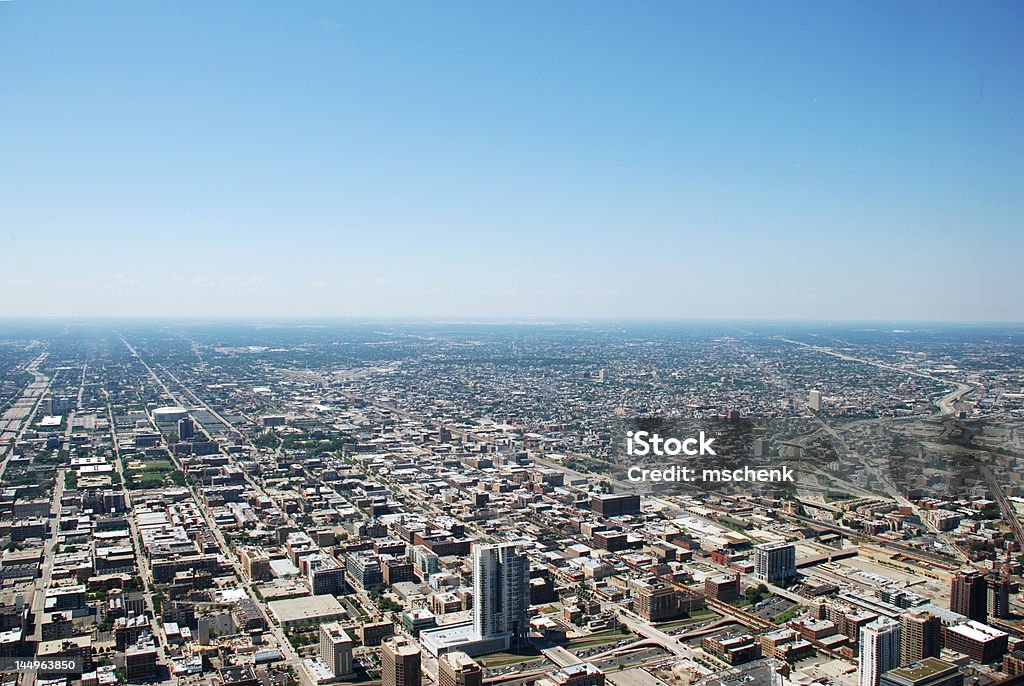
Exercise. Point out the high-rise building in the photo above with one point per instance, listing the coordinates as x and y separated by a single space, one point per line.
56 405
425 560
968 594
336 649
501 593
399 662
186 429
879 650
774 561
998 586
255 562
364 570
140 661
458 669
814 400
326 575
655 600
921 637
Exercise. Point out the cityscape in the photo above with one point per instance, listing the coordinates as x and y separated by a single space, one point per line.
402 503
519 343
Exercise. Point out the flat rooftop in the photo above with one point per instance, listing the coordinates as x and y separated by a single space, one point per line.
977 632
929 666
306 609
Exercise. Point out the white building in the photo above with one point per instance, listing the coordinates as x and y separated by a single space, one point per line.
814 400
879 650
501 592
336 649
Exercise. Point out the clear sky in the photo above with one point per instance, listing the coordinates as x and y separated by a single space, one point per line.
837 160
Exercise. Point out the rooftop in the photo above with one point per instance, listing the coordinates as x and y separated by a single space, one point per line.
307 608
929 666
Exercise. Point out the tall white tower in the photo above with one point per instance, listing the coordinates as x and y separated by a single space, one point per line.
814 400
501 592
879 650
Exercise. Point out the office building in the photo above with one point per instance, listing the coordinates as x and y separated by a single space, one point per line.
255 563
968 594
775 561
364 570
998 587
140 662
336 649
927 672
186 429
978 641
724 587
814 401
458 669
655 600
736 650
921 637
615 504
326 576
399 662
879 650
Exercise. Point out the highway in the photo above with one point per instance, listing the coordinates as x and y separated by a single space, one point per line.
945 404
16 420
643 628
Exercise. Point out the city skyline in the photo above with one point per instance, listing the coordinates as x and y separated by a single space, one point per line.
794 162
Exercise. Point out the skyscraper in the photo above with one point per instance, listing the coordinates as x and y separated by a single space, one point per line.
968 594
879 650
921 637
774 561
458 669
501 593
336 649
399 662
814 400
186 429
998 586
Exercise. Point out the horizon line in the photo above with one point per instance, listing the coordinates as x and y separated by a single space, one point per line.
482 319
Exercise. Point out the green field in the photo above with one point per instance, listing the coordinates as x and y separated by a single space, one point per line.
154 475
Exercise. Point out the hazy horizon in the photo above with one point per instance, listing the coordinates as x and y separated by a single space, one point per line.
322 320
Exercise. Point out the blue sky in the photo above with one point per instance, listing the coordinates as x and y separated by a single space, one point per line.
831 160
